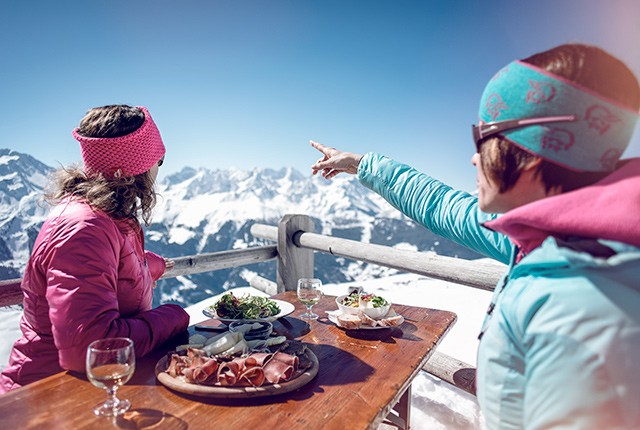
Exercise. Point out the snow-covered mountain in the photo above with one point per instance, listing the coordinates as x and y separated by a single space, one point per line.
22 209
203 210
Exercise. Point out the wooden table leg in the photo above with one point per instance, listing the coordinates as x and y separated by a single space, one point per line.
400 415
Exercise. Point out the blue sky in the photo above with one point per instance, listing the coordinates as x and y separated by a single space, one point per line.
247 83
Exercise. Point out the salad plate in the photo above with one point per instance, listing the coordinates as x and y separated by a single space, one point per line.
286 308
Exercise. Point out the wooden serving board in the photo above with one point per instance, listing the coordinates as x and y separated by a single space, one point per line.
300 379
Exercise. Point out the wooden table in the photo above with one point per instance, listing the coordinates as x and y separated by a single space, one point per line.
362 375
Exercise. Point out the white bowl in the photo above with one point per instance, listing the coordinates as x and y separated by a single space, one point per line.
262 332
375 313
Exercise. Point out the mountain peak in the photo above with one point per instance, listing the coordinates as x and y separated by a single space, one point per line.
20 175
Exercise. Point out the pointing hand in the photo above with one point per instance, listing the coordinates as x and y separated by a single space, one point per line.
334 161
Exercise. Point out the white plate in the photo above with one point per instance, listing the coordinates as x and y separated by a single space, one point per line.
333 317
285 309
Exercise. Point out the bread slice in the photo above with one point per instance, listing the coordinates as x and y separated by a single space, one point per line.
350 322
393 321
367 320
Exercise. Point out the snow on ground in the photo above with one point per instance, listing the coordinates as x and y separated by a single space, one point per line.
9 331
435 405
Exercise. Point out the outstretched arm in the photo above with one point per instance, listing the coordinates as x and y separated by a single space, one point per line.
447 212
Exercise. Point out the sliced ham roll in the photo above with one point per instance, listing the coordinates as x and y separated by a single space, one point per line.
276 371
188 374
173 364
178 364
253 376
286 358
206 372
261 358
228 373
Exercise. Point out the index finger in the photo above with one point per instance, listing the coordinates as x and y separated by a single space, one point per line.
320 147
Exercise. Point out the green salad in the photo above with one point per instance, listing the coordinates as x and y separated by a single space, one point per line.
353 300
245 307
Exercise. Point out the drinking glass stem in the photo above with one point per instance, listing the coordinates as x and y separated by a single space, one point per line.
309 309
112 400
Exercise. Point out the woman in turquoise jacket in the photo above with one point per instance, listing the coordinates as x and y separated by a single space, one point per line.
561 341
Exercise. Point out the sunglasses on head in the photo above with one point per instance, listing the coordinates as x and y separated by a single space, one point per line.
483 131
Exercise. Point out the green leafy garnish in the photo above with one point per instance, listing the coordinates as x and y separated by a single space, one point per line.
353 300
245 308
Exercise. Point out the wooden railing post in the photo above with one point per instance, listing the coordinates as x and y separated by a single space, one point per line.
293 262
10 292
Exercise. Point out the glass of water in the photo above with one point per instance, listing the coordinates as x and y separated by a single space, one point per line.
309 293
110 364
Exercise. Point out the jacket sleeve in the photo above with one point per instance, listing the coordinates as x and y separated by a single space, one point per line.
156 263
449 213
82 281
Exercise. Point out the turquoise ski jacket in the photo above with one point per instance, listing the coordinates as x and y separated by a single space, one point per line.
560 346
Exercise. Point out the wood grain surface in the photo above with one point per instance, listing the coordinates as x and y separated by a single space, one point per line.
361 375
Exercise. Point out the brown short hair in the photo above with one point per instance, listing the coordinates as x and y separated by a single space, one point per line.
588 66
111 121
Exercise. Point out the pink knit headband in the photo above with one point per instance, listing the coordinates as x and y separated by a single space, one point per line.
128 155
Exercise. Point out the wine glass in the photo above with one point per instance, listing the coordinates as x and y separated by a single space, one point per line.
110 364
309 293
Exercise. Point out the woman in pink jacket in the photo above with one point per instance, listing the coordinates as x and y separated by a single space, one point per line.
89 276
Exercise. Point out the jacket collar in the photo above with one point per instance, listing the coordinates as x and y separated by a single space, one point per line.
606 210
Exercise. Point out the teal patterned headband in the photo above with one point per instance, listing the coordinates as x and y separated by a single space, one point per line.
593 142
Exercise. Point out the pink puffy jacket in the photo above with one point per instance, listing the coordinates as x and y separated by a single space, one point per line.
88 278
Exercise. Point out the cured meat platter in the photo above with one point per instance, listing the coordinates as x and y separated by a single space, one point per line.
301 378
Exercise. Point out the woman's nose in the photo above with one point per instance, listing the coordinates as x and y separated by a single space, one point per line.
474 159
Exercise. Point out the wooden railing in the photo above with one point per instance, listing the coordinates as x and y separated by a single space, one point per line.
482 274
11 294
296 244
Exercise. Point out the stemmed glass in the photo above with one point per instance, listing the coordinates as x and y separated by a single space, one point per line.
309 293
110 364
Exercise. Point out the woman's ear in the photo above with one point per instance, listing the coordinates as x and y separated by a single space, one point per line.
532 164
532 171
